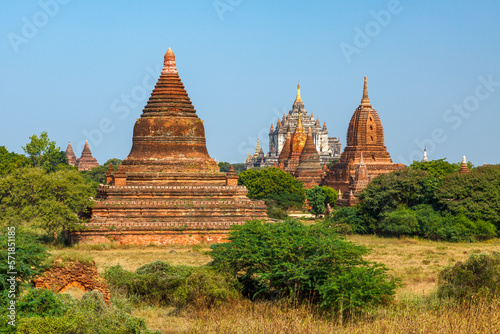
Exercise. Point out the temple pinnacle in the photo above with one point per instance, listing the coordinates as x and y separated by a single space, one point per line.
299 122
365 101
298 98
169 62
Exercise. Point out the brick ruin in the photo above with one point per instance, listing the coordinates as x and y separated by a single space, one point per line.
365 155
168 190
59 278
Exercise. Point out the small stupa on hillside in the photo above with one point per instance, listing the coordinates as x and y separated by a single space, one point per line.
169 190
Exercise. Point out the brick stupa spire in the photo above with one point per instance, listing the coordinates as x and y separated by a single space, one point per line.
70 154
169 190
86 161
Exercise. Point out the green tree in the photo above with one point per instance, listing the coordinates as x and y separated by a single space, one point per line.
43 153
476 194
98 174
331 195
298 262
239 167
316 198
437 168
224 166
399 222
10 161
262 183
388 191
347 220
52 201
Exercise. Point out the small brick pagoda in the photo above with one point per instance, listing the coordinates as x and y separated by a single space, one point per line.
86 160
365 155
168 190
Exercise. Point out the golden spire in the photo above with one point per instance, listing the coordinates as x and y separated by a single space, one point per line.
298 99
299 123
365 101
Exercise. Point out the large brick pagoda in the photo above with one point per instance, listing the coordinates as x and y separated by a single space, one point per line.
168 190
365 155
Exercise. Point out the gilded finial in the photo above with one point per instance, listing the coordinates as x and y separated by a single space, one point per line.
298 99
299 122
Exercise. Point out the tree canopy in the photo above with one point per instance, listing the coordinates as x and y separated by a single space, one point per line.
43 153
10 161
264 182
52 201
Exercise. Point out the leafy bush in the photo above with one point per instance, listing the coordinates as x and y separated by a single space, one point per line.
331 195
460 228
302 263
42 311
386 192
160 283
399 222
479 274
262 183
347 220
30 256
275 211
285 201
476 195
316 198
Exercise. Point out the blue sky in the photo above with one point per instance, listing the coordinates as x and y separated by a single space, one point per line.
84 70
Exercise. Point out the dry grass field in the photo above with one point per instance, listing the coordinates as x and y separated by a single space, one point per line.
416 262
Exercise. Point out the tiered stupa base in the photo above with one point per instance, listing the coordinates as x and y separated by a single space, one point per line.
163 215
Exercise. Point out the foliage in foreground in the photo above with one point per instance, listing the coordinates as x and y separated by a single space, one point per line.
41 311
159 283
303 263
29 257
479 274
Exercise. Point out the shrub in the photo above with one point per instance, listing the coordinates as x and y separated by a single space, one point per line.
331 195
460 228
302 263
479 274
42 311
160 283
316 198
399 222
347 220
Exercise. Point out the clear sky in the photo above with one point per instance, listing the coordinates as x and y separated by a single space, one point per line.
84 70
